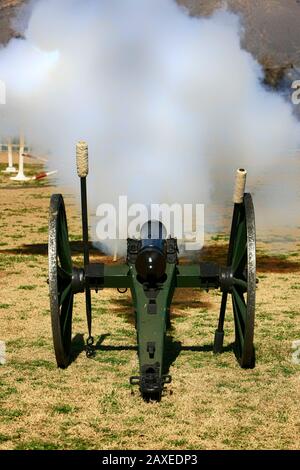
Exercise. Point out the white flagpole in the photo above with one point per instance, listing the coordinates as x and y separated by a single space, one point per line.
10 168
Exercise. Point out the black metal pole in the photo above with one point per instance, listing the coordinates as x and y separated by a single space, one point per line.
86 256
85 228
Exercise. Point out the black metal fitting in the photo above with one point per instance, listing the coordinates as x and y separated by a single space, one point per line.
151 294
226 279
152 307
172 250
94 273
150 383
210 275
134 380
78 280
122 291
151 349
90 349
133 247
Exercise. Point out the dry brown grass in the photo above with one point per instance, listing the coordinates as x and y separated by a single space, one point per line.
211 404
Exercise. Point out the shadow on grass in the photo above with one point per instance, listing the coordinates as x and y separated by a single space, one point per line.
25 185
264 263
77 346
171 352
212 253
42 249
174 348
123 307
103 347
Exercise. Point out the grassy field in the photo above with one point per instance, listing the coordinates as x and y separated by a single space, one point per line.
211 403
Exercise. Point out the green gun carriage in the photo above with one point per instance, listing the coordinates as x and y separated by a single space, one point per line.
152 272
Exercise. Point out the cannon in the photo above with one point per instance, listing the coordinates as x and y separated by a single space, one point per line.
152 271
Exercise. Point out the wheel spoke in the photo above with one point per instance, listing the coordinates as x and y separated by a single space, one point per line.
63 294
240 247
241 283
63 274
235 220
239 339
240 316
240 302
66 317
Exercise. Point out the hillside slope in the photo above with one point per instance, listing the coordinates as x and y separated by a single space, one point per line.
7 11
272 26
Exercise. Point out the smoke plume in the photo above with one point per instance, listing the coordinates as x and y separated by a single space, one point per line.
170 105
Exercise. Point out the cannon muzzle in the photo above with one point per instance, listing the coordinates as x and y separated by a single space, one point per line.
151 260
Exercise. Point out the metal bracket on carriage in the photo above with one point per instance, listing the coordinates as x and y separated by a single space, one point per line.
94 272
170 244
213 275
172 250
150 383
78 280
226 279
151 294
133 247
210 274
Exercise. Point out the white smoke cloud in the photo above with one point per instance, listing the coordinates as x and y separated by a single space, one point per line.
170 105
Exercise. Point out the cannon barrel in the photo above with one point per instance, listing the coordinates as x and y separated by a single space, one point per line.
151 260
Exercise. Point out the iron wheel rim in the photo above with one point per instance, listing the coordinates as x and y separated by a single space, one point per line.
242 259
60 281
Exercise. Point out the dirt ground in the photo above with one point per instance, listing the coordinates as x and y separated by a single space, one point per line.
211 403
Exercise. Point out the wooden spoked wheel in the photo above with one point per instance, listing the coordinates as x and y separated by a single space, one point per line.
60 281
242 260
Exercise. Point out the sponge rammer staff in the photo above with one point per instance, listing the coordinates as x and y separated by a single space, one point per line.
82 171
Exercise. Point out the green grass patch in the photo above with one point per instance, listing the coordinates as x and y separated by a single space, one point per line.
178 443
8 415
16 343
125 333
74 238
40 343
113 360
43 229
110 403
8 261
27 287
220 237
45 312
109 435
63 409
292 313
6 390
32 365
37 445
79 444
